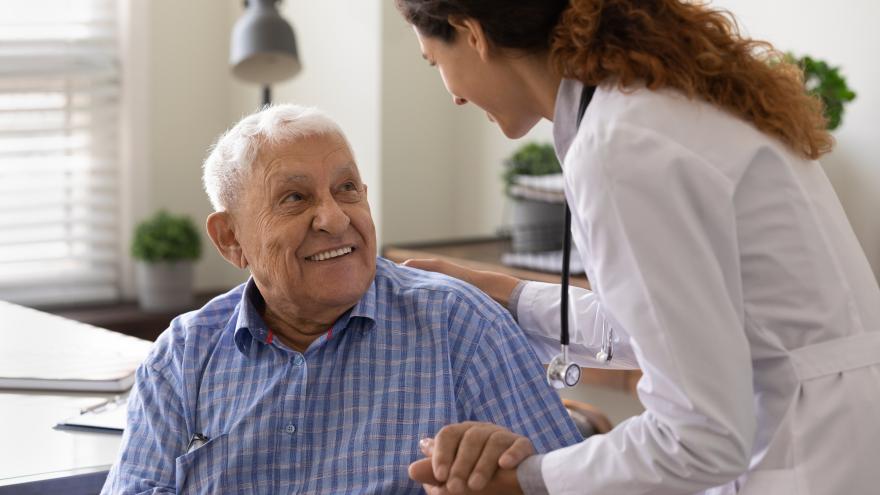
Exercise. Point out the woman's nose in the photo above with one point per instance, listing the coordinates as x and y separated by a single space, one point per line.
458 100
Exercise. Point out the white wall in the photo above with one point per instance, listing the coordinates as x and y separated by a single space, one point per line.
187 91
418 141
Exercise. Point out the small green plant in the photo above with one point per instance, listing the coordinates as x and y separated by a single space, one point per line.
530 159
166 237
825 81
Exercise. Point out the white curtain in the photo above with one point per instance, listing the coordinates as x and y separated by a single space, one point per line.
59 158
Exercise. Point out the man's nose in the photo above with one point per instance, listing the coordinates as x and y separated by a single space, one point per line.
458 100
330 218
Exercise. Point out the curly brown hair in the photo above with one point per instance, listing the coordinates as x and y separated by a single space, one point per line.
696 50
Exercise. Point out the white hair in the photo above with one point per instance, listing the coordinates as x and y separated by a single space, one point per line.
233 154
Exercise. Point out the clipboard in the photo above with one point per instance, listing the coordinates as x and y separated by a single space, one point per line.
107 416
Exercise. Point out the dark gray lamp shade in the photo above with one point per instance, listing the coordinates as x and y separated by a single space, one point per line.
263 48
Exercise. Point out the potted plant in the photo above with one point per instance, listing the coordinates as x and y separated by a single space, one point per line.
828 84
537 216
165 247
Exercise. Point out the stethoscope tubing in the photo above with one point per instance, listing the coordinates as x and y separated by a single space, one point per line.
566 274
562 362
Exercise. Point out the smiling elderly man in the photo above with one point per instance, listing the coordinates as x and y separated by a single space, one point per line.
323 371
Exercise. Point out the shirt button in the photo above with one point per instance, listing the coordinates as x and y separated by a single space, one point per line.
290 429
298 360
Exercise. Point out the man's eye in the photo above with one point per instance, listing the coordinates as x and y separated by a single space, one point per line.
349 186
292 197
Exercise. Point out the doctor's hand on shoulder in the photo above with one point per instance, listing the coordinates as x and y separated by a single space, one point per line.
498 286
471 458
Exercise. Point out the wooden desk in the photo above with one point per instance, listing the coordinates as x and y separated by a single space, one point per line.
485 254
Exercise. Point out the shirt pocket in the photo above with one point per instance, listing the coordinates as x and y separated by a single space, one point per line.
201 470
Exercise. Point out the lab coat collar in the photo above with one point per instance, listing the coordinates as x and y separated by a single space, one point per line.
565 115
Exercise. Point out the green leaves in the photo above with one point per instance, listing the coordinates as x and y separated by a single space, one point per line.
531 159
825 81
166 237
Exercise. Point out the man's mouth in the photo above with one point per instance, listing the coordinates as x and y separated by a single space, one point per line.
333 253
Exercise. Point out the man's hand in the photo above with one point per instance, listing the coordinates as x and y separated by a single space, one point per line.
503 483
468 456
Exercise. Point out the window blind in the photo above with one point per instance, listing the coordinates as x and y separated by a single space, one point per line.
59 119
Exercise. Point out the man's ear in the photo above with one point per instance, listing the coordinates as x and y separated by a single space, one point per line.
473 34
221 230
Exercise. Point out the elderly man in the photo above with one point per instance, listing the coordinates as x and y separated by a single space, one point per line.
323 371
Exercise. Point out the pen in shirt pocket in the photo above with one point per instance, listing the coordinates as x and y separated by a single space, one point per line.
196 441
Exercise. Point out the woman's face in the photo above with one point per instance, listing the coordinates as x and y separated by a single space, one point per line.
472 72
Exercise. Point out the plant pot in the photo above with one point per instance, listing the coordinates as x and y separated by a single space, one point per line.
536 225
164 285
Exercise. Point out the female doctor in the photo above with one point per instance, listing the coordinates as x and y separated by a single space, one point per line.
720 260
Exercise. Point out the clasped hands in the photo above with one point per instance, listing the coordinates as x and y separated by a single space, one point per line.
471 458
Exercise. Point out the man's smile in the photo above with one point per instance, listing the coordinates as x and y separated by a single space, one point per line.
331 253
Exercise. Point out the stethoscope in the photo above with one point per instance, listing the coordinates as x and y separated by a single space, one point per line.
562 372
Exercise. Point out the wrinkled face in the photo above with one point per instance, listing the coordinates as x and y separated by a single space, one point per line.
489 83
305 227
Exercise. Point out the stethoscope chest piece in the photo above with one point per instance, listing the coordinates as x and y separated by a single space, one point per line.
563 373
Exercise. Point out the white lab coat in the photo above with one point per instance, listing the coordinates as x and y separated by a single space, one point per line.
731 277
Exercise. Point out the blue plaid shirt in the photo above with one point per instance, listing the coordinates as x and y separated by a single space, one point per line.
418 351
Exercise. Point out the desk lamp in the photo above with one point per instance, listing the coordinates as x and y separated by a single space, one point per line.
263 47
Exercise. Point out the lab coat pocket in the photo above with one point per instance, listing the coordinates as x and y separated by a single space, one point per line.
201 470
770 481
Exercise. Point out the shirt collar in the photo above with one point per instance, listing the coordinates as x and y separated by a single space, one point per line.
364 309
249 323
568 98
